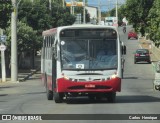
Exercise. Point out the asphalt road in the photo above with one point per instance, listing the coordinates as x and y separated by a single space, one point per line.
137 96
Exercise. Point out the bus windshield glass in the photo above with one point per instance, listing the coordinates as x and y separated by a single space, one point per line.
88 49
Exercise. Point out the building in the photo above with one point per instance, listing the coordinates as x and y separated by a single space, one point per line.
93 11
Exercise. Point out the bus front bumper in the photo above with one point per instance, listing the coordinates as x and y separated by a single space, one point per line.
112 85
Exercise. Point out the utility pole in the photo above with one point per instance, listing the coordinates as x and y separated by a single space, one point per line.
50 6
117 9
84 11
14 67
3 47
99 12
63 3
109 7
73 6
117 12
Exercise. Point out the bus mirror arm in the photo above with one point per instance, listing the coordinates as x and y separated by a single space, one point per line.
54 52
124 50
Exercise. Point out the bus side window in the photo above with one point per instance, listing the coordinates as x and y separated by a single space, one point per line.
43 48
45 44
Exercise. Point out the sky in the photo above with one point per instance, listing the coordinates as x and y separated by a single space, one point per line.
105 5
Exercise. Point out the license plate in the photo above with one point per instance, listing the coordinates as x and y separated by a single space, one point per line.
142 55
90 86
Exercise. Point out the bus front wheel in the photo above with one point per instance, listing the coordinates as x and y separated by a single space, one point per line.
58 97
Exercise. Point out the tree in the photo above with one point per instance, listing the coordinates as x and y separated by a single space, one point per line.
154 22
61 16
38 16
35 14
26 36
5 13
26 41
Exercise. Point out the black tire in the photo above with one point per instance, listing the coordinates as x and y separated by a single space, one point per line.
48 92
128 38
58 97
111 97
54 74
135 61
122 73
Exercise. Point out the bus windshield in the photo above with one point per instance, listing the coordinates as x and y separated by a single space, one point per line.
93 50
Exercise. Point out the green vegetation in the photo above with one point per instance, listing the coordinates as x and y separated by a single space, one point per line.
5 13
26 37
38 16
137 12
154 22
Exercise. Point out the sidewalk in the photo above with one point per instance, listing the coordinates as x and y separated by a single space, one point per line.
10 88
23 75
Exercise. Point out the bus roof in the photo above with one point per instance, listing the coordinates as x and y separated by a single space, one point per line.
49 32
88 26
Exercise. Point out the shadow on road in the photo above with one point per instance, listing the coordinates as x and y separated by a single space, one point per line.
120 99
137 99
130 78
36 93
84 100
3 95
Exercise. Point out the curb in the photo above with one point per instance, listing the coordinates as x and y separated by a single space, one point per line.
154 67
29 75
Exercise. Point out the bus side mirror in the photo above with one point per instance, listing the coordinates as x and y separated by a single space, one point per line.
123 50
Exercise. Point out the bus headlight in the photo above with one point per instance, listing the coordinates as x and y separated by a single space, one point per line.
65 77
113 76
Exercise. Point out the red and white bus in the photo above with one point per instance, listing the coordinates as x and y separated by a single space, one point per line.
82 60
